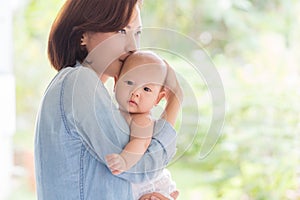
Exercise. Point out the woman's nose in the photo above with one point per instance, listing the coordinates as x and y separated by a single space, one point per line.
132 42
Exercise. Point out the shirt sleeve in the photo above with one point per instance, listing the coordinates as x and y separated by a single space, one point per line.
99 124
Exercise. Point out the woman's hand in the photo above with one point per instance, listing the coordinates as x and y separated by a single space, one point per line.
158 196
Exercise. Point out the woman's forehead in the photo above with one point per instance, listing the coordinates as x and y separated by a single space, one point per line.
135 21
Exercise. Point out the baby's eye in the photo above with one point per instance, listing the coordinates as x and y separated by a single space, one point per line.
122 31
129 82
147 89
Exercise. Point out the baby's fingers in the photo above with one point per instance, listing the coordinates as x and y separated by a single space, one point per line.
113 162
116 172
111 157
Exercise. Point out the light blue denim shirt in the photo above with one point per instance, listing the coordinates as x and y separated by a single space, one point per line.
77 126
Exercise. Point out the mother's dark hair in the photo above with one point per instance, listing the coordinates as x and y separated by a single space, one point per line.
79 16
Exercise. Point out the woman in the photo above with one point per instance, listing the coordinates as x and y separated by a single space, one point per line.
77 125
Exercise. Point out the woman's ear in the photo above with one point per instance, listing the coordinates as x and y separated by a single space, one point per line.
83 40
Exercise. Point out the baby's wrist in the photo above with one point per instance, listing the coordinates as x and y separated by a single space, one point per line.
123 157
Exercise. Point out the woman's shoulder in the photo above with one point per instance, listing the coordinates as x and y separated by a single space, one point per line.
78 71
74 78
77 75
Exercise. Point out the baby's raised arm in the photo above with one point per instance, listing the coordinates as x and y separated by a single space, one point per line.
174 96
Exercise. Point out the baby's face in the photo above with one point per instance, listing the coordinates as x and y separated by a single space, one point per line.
139 86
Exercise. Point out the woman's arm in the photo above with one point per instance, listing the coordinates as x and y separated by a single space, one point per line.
104 131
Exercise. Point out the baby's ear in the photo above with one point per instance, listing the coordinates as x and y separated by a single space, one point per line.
161 95
116 78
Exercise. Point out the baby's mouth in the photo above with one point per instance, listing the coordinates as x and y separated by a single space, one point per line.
132 102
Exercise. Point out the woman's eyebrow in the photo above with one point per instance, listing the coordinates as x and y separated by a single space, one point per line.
129 27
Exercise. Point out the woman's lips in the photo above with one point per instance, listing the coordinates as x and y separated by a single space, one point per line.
123 58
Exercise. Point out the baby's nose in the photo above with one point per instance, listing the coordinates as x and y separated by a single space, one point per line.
135 93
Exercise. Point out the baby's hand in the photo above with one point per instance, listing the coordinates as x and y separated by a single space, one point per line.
116 163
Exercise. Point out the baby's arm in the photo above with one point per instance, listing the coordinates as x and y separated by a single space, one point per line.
174 96
141 130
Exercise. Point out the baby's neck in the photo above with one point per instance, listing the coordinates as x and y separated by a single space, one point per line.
128 116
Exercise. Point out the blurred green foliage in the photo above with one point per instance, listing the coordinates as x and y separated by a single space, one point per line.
255 47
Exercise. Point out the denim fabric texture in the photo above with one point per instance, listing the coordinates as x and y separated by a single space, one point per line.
76 127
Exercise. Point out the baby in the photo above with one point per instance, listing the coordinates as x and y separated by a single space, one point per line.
138 89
